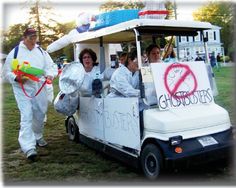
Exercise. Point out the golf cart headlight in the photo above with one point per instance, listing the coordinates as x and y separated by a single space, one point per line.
176 140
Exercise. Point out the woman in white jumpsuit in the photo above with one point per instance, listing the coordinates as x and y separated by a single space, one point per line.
154 56
32 110
88 58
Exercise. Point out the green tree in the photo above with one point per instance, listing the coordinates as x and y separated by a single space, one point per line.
40 18
170 7
116 5
220 14
60 31
12 37
48 29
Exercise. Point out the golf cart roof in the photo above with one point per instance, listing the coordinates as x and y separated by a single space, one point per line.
123 32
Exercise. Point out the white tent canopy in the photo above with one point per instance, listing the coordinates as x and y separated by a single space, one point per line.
123 32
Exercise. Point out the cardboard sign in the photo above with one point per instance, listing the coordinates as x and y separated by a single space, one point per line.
181 84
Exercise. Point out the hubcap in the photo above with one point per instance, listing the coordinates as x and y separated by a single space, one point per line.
151 163
71 129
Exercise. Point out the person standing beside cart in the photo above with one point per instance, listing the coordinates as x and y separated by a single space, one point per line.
32 102
218 60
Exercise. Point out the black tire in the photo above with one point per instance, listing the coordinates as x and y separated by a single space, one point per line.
73 130
151 161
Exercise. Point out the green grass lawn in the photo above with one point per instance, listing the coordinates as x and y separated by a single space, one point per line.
67 162
225 79
62 161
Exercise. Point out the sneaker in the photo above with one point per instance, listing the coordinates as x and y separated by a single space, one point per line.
31 154
41 142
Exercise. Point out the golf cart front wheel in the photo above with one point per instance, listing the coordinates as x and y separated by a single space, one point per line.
151 161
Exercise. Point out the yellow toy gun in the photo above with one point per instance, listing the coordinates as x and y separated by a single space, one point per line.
26 70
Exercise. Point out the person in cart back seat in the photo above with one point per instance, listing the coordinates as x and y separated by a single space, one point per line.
122 59
154 56
153 53
121 82
88 58
169 55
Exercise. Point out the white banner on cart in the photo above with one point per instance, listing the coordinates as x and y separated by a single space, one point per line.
181 84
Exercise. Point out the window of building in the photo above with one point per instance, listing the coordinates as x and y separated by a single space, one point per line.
197 38
183 39
210 36
214 35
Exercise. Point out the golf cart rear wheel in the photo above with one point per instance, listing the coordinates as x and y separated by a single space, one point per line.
151 161
73 130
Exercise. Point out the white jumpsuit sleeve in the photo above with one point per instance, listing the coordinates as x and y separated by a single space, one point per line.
108 73
86 88
7 73
50 66
120 82
135 80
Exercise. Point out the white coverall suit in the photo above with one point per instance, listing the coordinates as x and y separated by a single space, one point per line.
32 110
122 84
86 87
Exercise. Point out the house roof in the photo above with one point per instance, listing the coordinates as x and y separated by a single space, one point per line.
215 27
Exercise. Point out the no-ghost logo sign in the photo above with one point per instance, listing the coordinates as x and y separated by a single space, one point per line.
181 84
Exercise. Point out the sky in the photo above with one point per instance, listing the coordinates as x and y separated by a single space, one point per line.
16 11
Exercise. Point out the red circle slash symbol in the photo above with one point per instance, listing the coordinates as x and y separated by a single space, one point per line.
177 77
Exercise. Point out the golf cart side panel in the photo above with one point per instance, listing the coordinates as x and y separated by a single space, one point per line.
91 118
121 122
110 120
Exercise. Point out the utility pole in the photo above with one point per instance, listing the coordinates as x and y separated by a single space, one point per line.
177 37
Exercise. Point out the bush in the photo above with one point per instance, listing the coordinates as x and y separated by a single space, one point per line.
227 59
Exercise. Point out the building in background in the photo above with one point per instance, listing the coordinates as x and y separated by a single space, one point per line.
190 46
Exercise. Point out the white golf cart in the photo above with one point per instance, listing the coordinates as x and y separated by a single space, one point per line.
184 124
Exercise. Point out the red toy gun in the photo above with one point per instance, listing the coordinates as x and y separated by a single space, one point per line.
26 71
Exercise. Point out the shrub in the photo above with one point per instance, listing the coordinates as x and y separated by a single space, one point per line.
227 59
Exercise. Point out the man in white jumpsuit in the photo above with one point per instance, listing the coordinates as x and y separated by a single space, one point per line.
32 108
122 82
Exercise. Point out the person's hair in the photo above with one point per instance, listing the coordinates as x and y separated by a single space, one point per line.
90 52
150 47
172 54
131 55
123 54
29 32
